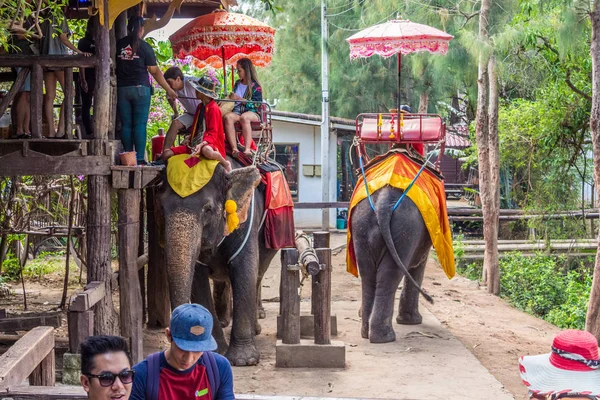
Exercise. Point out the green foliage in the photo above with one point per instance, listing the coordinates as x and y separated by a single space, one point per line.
549 287
46 263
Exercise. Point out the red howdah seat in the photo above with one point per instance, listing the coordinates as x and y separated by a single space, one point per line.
414 128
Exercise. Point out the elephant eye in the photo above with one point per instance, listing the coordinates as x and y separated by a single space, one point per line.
208 208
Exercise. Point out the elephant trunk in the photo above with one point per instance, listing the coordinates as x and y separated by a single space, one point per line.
183 233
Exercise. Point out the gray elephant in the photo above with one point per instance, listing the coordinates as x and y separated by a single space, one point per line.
388 246
197 248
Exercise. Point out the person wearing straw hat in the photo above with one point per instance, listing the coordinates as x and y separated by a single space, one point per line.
207 128
571 370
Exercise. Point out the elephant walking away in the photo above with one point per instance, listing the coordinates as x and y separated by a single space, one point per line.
388 246
198 247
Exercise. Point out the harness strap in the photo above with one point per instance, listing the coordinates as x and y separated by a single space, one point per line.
247 231
153 376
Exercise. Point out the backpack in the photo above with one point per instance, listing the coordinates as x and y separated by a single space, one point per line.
153 374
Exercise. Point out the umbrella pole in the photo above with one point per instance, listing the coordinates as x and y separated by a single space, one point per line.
224 71
399 82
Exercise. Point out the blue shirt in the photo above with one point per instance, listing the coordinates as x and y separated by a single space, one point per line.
138 391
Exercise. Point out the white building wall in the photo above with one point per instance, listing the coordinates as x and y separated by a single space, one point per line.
308 136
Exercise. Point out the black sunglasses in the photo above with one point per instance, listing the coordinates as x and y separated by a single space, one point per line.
108 378
572 395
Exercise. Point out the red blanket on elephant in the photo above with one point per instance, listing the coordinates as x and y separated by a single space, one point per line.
279 206
398 170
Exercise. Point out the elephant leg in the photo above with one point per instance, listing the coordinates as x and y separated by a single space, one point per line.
201 294
408 311
243 274
222 299
368 278
266 256
380 323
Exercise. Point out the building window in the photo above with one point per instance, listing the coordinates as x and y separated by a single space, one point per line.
286 154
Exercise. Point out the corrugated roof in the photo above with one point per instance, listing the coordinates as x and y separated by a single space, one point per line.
457 137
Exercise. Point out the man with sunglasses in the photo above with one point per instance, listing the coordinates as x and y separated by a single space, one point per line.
188 369
106 368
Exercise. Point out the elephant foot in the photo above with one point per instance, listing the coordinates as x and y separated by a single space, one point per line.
383 334
261 313
222 347
409 318
224 322
257 328
241 355
364 331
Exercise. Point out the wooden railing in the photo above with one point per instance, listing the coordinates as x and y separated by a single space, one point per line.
36 65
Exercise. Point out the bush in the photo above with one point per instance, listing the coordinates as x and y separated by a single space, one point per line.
545 286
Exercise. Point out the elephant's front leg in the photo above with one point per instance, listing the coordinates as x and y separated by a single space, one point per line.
243 275
201 294
408 311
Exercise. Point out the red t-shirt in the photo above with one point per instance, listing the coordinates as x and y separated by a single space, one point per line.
184 385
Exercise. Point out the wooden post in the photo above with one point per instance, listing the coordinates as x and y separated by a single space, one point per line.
45 373
98 245
81 326
102 90
129 287
159 306
290 296
37 100
321 298
141 252
68 102
320 241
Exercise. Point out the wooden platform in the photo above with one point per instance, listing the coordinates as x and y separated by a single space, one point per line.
137 177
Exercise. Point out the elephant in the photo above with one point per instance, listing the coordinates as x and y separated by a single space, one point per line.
198 248
405 241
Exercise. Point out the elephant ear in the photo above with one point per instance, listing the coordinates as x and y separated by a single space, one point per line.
242 182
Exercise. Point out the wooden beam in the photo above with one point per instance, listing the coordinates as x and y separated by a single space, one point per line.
94 292
290 297
36 99
45 373
81 326
16 164
68 102
319 205
20 360
159 306
77 393
321 297
28 323
129 286
14 89
17 60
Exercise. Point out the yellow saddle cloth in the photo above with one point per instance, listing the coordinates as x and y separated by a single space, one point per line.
186 180
427 193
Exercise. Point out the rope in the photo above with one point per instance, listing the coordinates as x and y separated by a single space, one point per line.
247 231
413 181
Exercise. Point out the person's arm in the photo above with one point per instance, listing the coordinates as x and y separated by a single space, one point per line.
225 391
158 75
173 105
64 38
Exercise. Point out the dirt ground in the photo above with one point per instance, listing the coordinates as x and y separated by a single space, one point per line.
426 361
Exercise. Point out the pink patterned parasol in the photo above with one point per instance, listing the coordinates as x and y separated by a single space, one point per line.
224 37
398 37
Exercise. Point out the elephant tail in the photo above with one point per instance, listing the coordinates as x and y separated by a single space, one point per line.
384 220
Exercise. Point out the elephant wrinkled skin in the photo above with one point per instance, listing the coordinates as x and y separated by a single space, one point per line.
380 272
197 248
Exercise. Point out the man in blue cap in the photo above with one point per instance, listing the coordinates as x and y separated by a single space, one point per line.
188 369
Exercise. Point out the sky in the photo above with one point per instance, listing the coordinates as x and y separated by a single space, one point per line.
173 25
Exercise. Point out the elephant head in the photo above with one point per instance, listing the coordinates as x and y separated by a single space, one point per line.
198 223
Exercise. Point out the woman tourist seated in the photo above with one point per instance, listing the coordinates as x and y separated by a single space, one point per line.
248 88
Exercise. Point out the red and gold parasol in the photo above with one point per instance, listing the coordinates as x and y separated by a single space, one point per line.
222 38
398 37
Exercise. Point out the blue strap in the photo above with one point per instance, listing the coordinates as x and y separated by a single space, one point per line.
408 187
212 370
153 376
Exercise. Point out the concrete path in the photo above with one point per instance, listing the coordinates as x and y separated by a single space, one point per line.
425 362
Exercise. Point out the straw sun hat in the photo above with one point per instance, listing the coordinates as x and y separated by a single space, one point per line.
573 366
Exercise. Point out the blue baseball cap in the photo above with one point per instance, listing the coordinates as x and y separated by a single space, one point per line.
191 328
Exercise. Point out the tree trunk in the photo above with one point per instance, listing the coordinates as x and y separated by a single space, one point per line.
491 254
593 314
424 102
482 130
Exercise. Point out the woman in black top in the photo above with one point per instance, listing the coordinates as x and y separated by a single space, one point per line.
135 58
